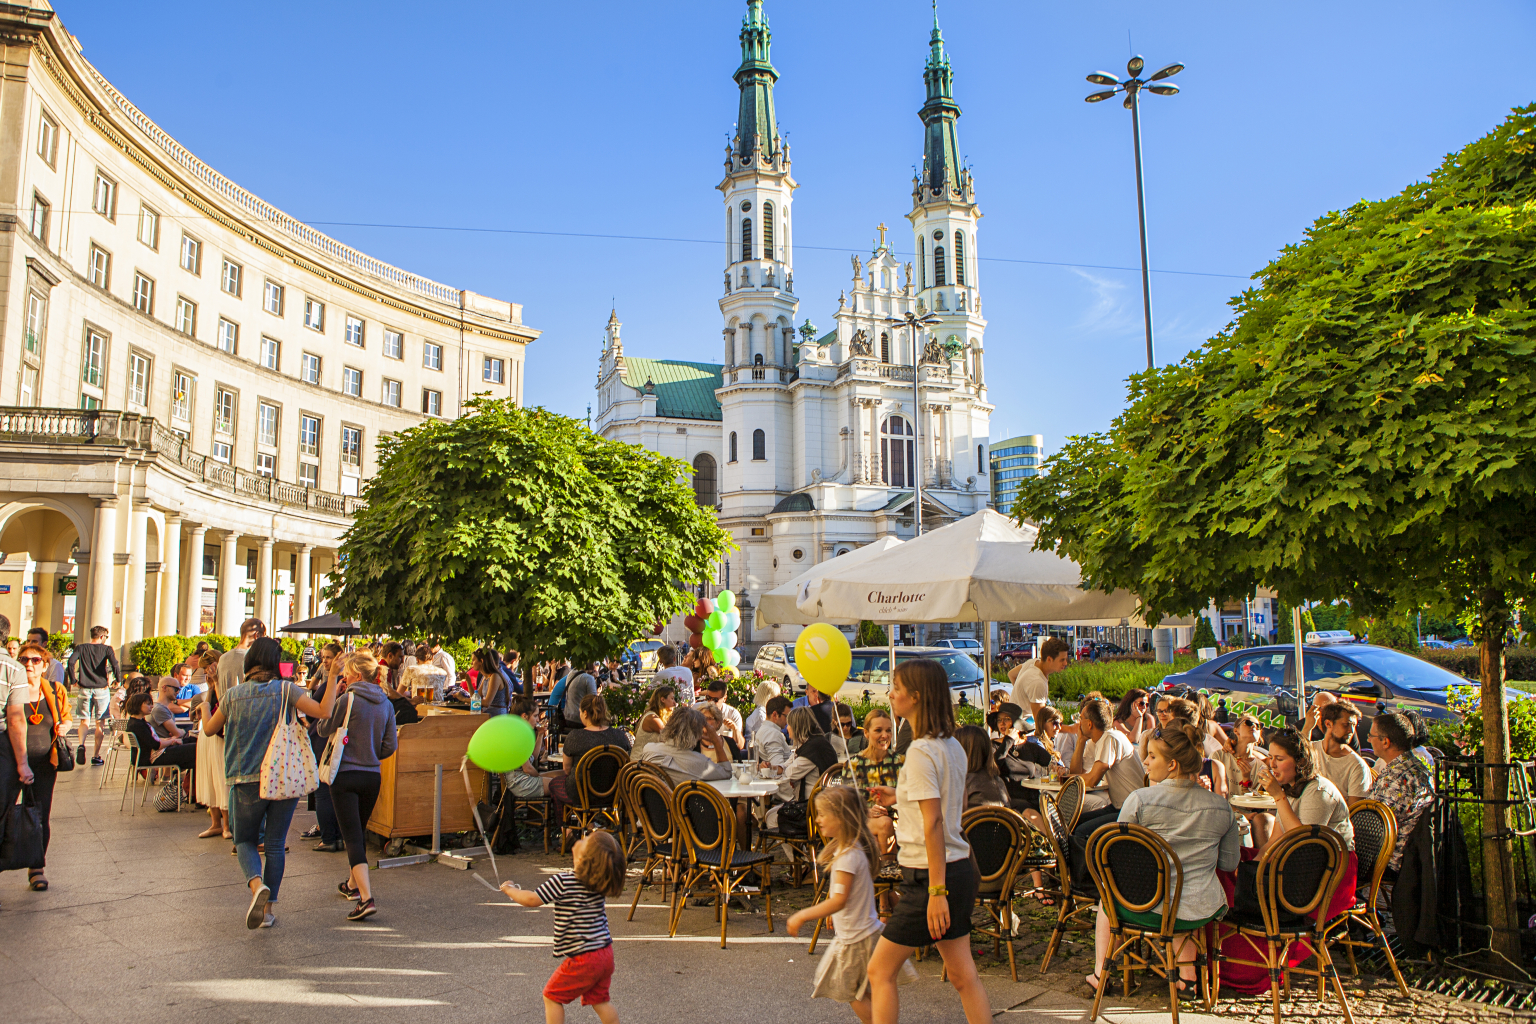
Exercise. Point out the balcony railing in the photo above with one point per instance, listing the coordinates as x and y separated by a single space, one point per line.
130 430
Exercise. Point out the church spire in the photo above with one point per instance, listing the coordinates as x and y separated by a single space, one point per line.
756 128
942 173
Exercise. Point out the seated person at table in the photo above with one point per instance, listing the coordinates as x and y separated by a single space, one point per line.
813 756
1247 752
766 691
157 751
846 737
1302 795
878 764
189 690
983 783
596 731
1197 824
663 700
1336 760
1213 769
1103 755
1131 715
727 719
711 714
770 743
1404 783
678 754
162 716
526 782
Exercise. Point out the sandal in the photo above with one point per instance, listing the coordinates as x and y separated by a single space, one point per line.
210 832
36 881
1046 901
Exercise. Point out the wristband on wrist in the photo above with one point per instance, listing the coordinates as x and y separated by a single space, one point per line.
938 890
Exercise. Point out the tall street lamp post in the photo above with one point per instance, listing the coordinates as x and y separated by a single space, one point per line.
1132 87
912 322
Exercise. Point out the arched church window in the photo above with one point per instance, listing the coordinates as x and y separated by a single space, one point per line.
746 239
938 265
898 451
885 347
959 259
981 461
767 231
922 263
733 446
759 446
705 490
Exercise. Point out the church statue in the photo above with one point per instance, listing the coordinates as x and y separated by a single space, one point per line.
907 284
858 268
861 342
727 282
932 353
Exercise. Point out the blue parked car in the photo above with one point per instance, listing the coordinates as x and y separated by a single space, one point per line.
1372 678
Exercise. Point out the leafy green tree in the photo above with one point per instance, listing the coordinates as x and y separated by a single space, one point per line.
1364 430
1204 635
1285 632
871 634
523 528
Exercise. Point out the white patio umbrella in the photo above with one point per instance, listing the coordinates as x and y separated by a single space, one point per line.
778 606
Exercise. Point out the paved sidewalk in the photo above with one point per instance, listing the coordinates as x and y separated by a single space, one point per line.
145 923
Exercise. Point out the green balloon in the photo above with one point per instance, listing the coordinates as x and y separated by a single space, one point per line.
716 620
502 743
711 638
725 600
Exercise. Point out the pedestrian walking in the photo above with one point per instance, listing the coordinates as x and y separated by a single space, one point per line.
46 712
249 713
364 720
92 667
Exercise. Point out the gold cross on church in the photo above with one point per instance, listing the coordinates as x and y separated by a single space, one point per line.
882 235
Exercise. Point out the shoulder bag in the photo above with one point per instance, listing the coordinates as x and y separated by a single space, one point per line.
330 761
288 768
62 751
793 820
21 842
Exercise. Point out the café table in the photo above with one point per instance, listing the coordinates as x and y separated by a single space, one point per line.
1053 787
733 788
1253 802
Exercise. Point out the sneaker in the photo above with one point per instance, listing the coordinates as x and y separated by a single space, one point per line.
346 890
362 911
327 847
310 833
256 912
98 762
80 755
268 921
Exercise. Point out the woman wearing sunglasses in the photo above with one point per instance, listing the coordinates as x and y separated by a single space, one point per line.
46 713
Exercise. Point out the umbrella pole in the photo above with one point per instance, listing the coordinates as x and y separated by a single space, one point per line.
1301 665
986 661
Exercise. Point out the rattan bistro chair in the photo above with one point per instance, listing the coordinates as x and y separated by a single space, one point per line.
1069 803
1375 838
999 840
1142 880
595 787
1297 876
1078 897
707 825
652 798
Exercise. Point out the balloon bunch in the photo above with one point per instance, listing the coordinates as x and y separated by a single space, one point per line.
712 627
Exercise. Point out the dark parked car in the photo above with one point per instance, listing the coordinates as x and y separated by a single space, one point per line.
1371 678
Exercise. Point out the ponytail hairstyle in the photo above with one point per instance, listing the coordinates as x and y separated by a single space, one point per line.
364 664
847 807
1180 742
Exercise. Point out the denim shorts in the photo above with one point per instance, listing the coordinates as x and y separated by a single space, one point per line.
92 703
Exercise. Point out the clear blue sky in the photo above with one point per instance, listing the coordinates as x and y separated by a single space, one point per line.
611 118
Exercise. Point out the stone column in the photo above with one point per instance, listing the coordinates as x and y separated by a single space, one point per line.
170 573
231 576
97 610
192 596
133 579
301 601
264 581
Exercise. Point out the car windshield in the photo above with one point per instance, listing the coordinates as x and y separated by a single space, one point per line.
789 653
645 645
1405 670
873 668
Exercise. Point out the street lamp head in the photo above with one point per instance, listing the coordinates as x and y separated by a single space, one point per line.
1166 89
1167 72
931 319
1130 100
1103 78
1134 65
1095 97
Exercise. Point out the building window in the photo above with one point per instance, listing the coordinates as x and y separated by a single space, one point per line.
705 491
733 446
149 227
143 294
309 368
89 402
309 474
981 461
266 464
431 402
938 266
493 370
394 344
229 280
48 139
391 393
746 239
104 198
37 318
221 452
759 446
922 263
186 316
101 267
432 356
229 336
39 222
28 385
767 231
224 411
897 452
138 379
272 298
191 255
181 396
93 369
354 332
885 347
266 424
351 446
959 259
314 315
271 349
352 381
309 435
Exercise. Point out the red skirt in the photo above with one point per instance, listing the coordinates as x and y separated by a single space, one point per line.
1255 980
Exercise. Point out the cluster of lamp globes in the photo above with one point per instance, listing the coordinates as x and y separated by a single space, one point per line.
1133 82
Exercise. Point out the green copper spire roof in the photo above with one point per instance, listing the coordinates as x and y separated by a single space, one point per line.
756 128
941 150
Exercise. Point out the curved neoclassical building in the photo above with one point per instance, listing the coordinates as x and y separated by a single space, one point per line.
193 384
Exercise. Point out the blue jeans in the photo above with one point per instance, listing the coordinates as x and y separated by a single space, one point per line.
254 820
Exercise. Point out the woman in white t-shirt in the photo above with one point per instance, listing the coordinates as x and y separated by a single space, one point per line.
938 877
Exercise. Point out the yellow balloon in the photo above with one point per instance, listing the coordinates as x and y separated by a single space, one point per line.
823 657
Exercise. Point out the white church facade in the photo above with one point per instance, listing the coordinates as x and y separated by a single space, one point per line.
809 445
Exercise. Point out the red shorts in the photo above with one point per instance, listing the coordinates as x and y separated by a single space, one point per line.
585 975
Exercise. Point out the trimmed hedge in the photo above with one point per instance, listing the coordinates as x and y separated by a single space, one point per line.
1519 662
1113 677
157 655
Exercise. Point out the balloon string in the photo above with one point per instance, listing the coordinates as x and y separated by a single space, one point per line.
474 809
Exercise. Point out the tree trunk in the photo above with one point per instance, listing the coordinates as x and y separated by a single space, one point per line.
1498 868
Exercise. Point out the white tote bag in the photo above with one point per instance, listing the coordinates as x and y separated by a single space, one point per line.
288 770
330 758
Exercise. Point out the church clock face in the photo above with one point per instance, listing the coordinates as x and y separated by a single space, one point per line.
938 236
746 206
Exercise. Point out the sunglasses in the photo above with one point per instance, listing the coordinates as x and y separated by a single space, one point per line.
31 661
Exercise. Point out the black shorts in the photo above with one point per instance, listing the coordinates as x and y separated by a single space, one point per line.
908 926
